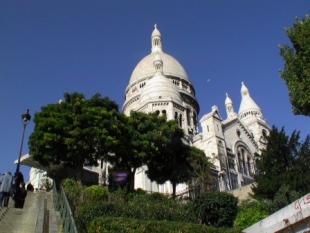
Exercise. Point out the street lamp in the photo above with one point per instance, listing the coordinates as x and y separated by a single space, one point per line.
25 120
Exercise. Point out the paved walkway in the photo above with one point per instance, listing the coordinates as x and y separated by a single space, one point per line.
30 218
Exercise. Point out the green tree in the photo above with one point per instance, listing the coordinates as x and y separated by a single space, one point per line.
201 170
296 73
282 198
284 161
171 160
75 132
140 139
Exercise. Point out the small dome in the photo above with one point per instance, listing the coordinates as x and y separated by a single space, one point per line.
228 100
247 103
160 88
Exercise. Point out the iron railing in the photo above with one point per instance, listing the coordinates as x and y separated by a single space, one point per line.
61 204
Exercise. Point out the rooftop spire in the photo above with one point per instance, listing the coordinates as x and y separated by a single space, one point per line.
247 106
156 40
227 100
229 108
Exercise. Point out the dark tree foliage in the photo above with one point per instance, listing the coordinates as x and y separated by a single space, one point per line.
296 73
284 161
75 132
170 162
282 198
140 140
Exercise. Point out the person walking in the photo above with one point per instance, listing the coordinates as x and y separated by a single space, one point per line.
6 183
18 179
20 196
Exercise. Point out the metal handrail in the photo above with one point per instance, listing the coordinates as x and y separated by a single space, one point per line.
61 204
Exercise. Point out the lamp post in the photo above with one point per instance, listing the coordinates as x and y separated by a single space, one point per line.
25 120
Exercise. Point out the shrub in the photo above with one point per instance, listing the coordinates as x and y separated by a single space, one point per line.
119 195
156 207
128 225
73 191
140 191
95 192
158 196
249 212
142 207
91 210
215 208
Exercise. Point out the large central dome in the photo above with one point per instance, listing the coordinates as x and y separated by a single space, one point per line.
160 83
145 68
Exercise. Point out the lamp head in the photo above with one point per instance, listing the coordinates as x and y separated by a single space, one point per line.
26 116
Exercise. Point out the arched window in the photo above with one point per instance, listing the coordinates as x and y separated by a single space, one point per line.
249 166
245 161
180 120
238 133
195 119
188 116
157 112
264 132
240 168
175 115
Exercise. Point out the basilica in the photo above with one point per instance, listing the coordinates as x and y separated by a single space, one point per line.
159 83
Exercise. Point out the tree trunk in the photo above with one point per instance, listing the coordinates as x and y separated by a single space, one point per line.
78 174
174 187
131 176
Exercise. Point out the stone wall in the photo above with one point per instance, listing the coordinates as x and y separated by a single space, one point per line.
242 192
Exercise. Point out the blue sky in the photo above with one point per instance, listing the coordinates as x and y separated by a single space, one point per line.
51 47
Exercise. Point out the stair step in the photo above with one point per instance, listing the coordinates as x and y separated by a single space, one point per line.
30 218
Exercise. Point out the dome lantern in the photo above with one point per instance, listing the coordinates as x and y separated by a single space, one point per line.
156 40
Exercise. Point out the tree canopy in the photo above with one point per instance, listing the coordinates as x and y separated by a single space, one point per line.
140 139
296 73
170 162
75 132
284 162
176 161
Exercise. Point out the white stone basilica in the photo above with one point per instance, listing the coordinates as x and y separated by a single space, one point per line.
160 84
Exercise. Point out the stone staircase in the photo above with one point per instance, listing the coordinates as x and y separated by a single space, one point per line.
30 219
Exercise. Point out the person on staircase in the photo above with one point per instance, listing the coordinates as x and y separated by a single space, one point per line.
18 179
6 186
20 196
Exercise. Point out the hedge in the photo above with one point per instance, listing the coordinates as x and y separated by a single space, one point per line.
129 225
